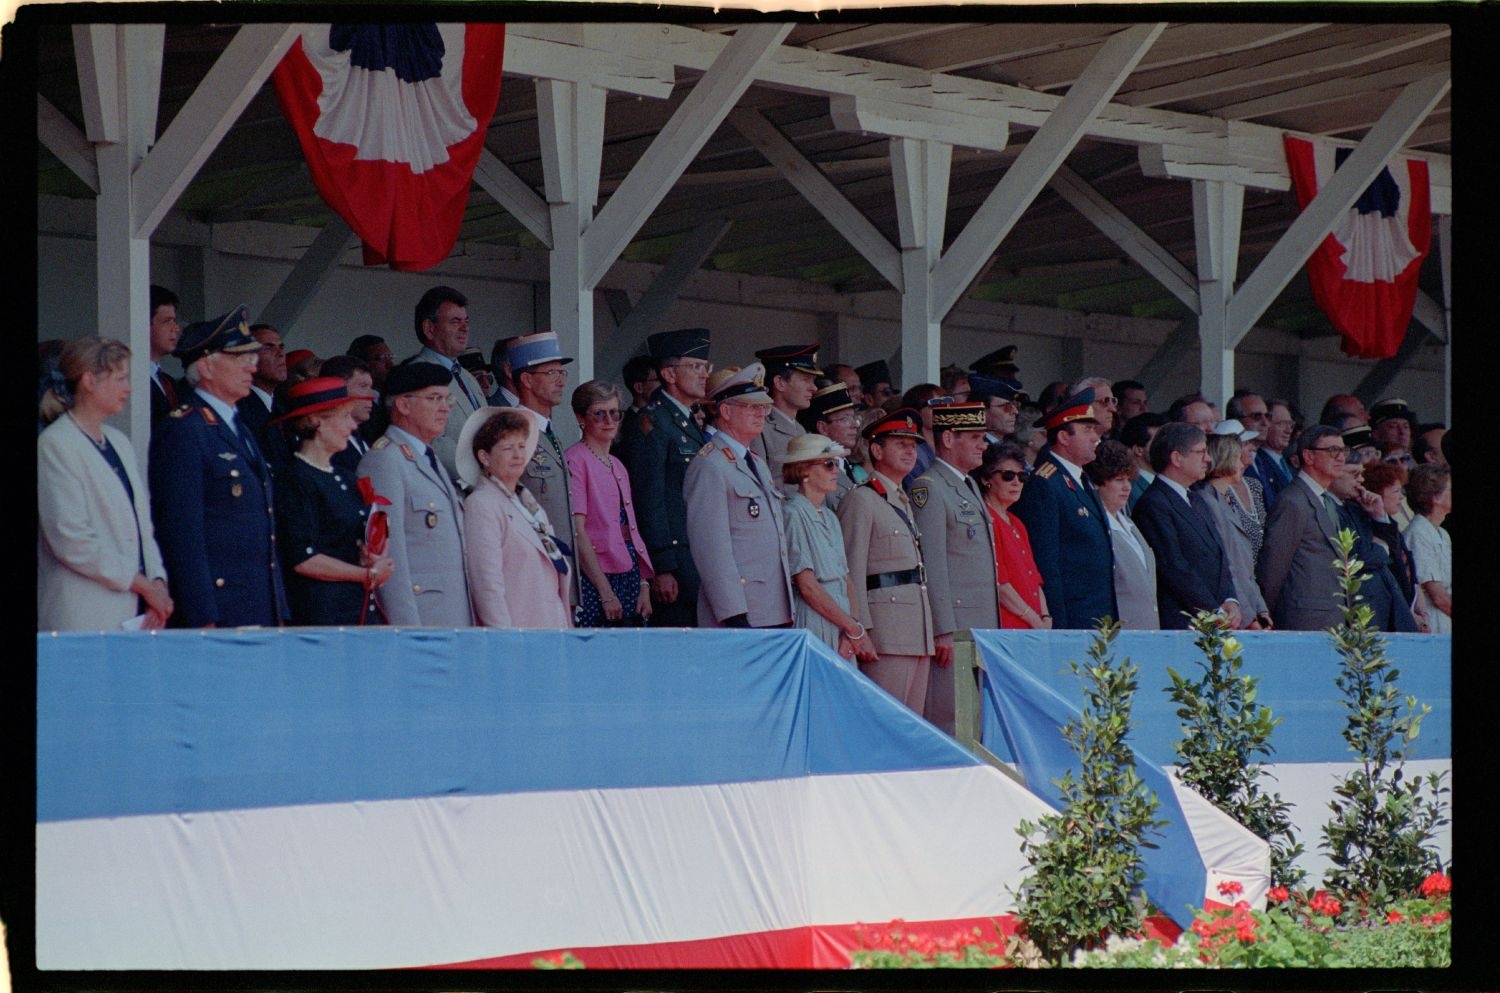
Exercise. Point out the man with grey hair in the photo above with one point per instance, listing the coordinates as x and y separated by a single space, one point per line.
1105 403
1295 566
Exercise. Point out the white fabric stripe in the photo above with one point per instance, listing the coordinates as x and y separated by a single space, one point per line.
440 880
1308 787
1230 851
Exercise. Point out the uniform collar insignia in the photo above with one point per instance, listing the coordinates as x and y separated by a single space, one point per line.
406 450
209 415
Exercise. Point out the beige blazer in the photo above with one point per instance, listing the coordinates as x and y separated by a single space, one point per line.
876 540
88 545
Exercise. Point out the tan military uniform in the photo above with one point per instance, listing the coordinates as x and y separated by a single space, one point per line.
962 580
884 558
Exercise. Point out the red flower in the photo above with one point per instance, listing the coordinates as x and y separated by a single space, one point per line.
1394 917
1278 894
1436 884
1231 888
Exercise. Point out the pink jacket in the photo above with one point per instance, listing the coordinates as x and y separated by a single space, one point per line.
596 495
512 581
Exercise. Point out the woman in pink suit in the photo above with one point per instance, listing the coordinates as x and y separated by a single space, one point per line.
518 576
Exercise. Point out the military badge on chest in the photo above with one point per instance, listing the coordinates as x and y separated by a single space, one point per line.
753 509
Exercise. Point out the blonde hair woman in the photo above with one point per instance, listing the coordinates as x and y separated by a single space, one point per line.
98 565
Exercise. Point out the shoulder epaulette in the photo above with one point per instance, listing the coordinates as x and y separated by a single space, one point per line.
183 410
707 449
1046 470
381 442
876 485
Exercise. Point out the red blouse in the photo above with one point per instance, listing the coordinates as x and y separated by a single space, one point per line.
1014 565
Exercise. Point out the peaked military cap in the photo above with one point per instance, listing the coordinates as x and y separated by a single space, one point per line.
1393 407
229 333
746 386
1001 363
991 386
903 423
1078 407
685 343
802 358
959 417
829 400
533 350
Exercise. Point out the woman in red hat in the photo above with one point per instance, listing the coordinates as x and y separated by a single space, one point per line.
320 515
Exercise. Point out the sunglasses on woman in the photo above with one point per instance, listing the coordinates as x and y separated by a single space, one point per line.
605 415
1008 475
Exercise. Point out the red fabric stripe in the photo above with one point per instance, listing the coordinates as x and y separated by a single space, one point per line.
826 946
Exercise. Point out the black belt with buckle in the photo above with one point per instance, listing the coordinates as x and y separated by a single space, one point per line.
881 580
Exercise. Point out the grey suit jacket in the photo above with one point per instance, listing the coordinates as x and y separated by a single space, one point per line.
958 549
429 587
737 539
546 477
1135 580
1296 562
1239 551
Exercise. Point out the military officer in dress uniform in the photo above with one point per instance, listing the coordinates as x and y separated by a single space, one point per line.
658 444
211 498
1002 399
875 378
958 547
429 587
831 414
537 367
791 379
1065 519
734 516
881 542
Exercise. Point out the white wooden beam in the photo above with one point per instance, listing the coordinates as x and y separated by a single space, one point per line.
1348 183
141 48
650 311
570 123
207 116
512 192
72 148
1217 211
920 172
668 156
307 277
809 180
873 115
542 59
1037 162
1141 247
1197 140
95 50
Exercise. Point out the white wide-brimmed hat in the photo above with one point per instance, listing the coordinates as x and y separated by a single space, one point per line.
1235 429
812 448
469 469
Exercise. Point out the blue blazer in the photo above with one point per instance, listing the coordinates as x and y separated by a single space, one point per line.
1192 571
1070 543
1273 478
212 506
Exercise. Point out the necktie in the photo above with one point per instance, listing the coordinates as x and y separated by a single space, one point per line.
1332 509
754 469
459 379
432 461
165 382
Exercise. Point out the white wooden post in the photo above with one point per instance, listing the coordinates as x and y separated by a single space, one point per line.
1217 207
920 172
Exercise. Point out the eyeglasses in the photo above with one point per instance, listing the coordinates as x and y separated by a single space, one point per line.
605 415
437 398
829 463
1008 475
553 373
1108 401
693 365
1261 416
1339 452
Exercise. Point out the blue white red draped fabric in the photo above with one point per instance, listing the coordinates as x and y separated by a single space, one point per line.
1364 274
392 120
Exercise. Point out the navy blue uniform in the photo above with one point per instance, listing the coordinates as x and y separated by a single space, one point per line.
657 446
215 521
1070 542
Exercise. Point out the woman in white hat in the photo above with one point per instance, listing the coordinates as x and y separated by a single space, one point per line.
815 548
518 574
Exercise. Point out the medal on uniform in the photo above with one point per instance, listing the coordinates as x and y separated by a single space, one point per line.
754 508
431 519
972 532
235 489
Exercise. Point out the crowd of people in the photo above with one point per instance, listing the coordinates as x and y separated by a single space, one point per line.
285 488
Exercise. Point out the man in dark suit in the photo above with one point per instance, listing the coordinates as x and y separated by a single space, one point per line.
211 496
1065 520
164 334
262 403
1363 513
1192 571
1295 570
657 445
